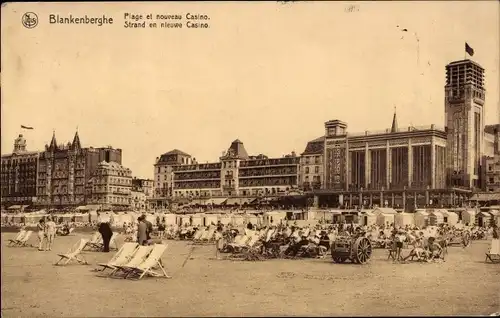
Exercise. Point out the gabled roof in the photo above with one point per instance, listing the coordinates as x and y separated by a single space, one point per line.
315 146
237 150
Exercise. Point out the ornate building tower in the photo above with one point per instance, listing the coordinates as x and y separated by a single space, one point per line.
464 122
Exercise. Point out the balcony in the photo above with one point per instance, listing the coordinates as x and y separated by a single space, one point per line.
229 188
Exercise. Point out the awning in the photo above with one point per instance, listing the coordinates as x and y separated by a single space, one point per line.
14 207
485 214
199 202
82 207
216 201
486 197
232 201
247 200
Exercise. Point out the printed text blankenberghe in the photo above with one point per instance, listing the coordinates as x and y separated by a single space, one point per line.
99 21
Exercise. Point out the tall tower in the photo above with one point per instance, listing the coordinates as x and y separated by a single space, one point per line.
19 144
464 122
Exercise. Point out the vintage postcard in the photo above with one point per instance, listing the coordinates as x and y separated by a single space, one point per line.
273 158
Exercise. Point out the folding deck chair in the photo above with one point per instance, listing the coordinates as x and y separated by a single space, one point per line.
141 253
493 254
17 239
152 261
74 254
94 241
199 234
122 257
24 240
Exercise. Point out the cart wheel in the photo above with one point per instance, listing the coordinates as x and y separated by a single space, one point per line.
362 250
466 239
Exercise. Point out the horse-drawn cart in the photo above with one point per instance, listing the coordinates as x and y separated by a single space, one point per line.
356 249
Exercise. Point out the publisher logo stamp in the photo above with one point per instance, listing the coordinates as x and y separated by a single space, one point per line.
30 20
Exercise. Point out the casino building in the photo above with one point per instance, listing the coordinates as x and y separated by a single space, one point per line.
236 175
411 167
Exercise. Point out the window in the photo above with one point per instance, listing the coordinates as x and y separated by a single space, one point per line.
316 169
307 170
491 180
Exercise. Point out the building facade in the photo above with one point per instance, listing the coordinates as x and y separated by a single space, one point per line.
464 115
414 167
19 175
236 174
311 165
64 171
492 173
110 186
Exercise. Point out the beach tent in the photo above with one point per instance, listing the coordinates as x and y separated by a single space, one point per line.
449 217
170 218
469 216
484 219
197 219
225 218
404 219
368 218
495 215
436 218
237 219
421 218
210 218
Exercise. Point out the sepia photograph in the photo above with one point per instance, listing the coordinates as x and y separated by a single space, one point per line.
267 158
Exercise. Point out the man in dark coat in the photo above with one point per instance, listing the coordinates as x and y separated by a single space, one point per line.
106 233
149 225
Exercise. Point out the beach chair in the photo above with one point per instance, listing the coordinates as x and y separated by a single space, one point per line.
141 253
17 239
122 257
198 234
493 254
209 234
24 240
94 241
239 243
153 260
74 254
249 244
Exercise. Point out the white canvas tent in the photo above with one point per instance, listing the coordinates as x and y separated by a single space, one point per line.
404 219
469 216
368 218
436 218
450 218
421 218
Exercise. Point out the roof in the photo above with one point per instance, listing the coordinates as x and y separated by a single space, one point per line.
237 150
176 152
315 146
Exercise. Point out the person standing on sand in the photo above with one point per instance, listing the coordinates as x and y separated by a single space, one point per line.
106 233
51 232
41 233
142 229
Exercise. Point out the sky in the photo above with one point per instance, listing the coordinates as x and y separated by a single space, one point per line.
267 73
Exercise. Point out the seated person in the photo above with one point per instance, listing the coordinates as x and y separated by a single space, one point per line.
434 249
417 251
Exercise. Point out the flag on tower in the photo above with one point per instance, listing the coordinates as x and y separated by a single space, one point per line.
26 127
468 49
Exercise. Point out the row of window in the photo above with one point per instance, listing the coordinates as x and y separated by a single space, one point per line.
316 170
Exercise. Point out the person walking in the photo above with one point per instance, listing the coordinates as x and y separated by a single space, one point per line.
149 226
106 233
51 232
41 233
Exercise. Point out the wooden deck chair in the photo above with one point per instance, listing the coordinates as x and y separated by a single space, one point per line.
112 242
198 234
152 261
204 235
493 254
141 253
250 243
96 237
17 239
121 257
210 234
24 240
74 254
